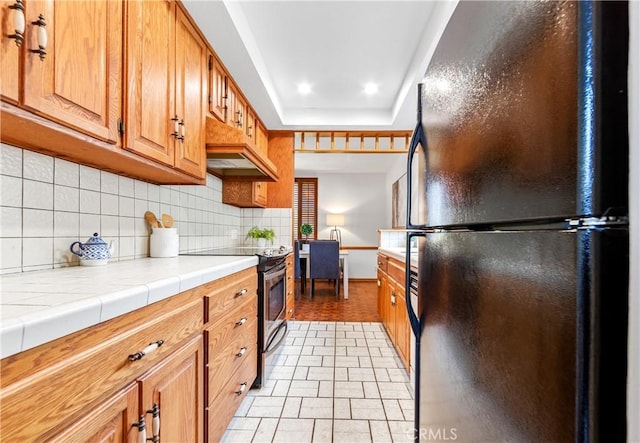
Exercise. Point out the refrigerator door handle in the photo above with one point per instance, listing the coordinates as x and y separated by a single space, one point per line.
417 139
413 318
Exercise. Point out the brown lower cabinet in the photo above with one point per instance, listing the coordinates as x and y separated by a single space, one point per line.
290 302
85 386
392 305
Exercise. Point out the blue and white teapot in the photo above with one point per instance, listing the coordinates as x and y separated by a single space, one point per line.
93 252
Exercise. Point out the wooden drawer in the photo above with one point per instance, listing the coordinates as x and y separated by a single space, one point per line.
227 364
76 375
395 269
382 262
224 295
221 410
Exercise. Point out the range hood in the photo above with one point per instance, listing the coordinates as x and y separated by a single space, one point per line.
231 154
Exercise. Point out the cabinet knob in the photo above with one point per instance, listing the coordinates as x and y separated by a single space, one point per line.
242 321
241 352
42 37
18 22
241 292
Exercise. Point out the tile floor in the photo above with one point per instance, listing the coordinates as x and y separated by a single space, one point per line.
335 382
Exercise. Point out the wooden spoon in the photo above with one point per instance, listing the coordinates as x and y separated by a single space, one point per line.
150 217
167 220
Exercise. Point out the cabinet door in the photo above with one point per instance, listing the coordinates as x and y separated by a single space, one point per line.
260 193
381 289
175 385
392 304
262 138
250 127
151 80
217 88
109 422
191 57
78 80
9 62
231 105
241 112
403 339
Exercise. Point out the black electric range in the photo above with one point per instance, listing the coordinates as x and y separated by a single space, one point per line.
267 257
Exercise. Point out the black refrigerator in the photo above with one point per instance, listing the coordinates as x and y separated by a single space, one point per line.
518 198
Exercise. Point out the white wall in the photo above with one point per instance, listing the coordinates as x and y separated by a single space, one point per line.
633 413
396 169
361 198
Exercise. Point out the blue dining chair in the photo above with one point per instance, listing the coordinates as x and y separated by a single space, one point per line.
297 273
324 262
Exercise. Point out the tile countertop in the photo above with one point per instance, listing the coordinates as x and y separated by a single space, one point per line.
40 306
399 254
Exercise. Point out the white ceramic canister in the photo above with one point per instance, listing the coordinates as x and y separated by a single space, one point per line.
164 242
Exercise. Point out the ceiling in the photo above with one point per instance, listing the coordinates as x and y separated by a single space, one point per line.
270 47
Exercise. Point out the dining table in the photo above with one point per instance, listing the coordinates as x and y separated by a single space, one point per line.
344 266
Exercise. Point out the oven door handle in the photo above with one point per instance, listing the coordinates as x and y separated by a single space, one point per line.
270 343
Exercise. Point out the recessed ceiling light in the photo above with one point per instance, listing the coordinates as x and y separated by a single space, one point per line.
370 88
304 88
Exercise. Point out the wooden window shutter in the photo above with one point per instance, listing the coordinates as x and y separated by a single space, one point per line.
305 206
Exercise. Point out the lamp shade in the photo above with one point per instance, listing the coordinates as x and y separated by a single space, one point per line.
335 219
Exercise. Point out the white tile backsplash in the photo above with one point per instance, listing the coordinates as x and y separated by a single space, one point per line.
10 222
37 223
37 166
89 178
66 198
66 173
37 195
89 201
108 204
40 220
10 254
37 251
108 182
66 224
10 161
10 191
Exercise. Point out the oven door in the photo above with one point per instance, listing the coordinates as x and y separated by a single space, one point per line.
274 298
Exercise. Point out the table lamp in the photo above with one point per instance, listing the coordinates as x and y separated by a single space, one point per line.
335 220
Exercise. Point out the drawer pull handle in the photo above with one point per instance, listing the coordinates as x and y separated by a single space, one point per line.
243 386
155 423
241 351
142 429
242 321
18 22
149 349
42 37
241 293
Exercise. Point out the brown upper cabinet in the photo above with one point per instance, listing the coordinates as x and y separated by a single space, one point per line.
217 88
10 47
166 63
122 86
72 68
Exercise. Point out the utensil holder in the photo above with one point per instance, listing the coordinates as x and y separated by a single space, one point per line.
164 242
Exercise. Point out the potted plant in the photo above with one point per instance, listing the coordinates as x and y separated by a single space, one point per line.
306 229
261 235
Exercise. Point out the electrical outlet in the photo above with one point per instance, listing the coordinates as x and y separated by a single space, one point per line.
234 234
